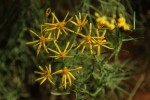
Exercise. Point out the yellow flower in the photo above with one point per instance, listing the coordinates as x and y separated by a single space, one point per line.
101 21
127 27
45 75
67 75
101 42
122 23
111 25
41 41
60 53
79 22
121 20
87 40
60 26
124 26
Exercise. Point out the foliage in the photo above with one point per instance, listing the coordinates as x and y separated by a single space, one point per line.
76 51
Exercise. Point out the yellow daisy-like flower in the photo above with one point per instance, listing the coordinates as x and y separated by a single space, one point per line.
101 42
79 22
87 40
67 75
41 41
45 75
60 26
60 53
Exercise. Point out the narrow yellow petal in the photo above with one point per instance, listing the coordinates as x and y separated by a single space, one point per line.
49 36
62 80
58 33
69 19
103 35
107 47
49 67
45 24
84 20
65 83
57 72
57 46
50 29
79 16
99 50
55 17
64 31
71 76
74 23
68 77
56 57
81 44
69 49
97 32
52 19
40 78
68 30
53 50
90 28
43 81
41 68
66 17
81 34
34 33
38 49
66 46
83 48
33 42
45 47
78 30
77 19
38 72
37 44
51 81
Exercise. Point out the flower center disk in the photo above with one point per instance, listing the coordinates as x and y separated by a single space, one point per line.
42 39
65 70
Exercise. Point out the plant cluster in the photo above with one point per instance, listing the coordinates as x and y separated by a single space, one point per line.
79 49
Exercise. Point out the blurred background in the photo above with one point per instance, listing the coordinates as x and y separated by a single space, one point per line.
18 61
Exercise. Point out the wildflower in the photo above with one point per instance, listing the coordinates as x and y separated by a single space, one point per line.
122 23
67 75
45 75
41 41
60 53
111 25
101 21
60 26
88 40
101 42
79 22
